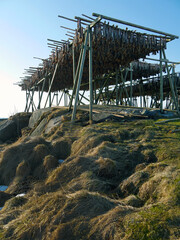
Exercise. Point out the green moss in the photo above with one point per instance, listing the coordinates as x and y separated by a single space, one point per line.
109 152
151 224
176 192
1 233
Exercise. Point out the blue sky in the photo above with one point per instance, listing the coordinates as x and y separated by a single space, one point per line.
25 26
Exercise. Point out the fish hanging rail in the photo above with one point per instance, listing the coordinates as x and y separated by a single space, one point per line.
115 48
112 47
135 25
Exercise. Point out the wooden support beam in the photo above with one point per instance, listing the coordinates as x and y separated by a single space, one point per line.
31 101
88 17
131 78
60 99
80 75
76 76
100 90
27 100
124 80
135 25
42 90
50 86
90 77
117 99
70 19
161 83
83 19
171 84
68 28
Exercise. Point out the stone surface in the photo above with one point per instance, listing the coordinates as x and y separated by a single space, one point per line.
21 120
52 123
36 116
101 116
8 130
39 129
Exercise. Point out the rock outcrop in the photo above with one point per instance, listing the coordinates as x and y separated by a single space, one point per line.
11 128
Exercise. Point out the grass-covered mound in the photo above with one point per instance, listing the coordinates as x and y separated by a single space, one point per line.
111 180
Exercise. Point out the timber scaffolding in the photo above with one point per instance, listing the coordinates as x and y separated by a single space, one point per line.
112 72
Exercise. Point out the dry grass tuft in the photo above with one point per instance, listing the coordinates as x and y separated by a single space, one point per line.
118 181
50 162
86 143
132 184
23 169
69 170
107 167
14 203
61 148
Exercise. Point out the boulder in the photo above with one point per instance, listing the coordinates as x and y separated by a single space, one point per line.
8 130
11 128
39 129
53 123
36 116
21 120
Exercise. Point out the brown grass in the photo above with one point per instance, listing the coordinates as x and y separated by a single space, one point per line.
114 183
50 162
61 148
23 157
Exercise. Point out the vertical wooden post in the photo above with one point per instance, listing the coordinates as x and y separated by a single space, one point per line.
94 92
57 98
60 99
80 75
49 93
27 99
74 64
117 100
39 94
131 84
90 77
76 77
161 83
171 84
50 86
42 90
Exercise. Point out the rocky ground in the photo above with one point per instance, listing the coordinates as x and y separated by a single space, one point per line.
118 178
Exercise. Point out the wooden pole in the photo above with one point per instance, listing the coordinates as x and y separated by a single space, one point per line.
90 77
171 84
161 83
80 76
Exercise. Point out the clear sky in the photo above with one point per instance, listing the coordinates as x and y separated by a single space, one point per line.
25 26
